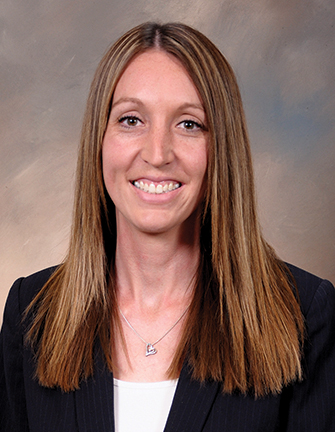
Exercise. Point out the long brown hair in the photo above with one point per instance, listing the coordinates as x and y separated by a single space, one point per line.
244 306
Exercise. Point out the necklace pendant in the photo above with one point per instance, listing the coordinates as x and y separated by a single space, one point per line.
150 350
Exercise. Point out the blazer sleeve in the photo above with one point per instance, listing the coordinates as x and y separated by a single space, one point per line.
13 413
312 402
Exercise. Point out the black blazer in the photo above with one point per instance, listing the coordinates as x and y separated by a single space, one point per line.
301 407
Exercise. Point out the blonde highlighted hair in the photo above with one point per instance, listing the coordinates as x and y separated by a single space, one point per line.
244 307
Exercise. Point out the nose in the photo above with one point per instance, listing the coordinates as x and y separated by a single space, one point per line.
157 148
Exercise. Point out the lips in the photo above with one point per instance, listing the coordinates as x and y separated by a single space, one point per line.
156 187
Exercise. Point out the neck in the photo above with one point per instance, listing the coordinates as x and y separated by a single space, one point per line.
153 270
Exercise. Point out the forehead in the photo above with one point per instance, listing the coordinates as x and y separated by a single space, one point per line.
158 71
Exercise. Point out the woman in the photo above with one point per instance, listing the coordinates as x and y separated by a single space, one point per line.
170 311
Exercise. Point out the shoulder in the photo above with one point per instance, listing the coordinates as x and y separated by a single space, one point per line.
317 302
13 366
25 289
313 291
311 401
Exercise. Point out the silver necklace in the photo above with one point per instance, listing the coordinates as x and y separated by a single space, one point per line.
150 347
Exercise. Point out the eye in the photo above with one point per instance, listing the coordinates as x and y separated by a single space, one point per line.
191 125
130 121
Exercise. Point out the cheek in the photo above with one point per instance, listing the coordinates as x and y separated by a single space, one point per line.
118 153
202 165
110 167
112 159
105 162
199 162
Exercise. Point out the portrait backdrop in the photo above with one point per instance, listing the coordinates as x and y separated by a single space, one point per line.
283 53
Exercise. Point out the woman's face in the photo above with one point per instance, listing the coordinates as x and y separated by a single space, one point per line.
154 151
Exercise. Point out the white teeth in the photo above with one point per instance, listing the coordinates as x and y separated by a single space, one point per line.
159 189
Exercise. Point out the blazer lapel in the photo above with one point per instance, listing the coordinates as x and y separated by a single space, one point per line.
95 401
191 404
190 407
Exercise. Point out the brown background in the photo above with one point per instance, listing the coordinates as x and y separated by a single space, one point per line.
283 54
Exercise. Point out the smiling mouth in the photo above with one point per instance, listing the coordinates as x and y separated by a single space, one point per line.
160 188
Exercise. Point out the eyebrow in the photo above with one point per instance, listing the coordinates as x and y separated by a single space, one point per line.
139 102
127 99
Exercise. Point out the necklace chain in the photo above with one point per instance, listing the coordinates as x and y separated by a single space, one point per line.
150 347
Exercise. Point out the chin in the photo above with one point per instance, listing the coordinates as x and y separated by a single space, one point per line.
155 228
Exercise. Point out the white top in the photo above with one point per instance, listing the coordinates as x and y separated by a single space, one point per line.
142 407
